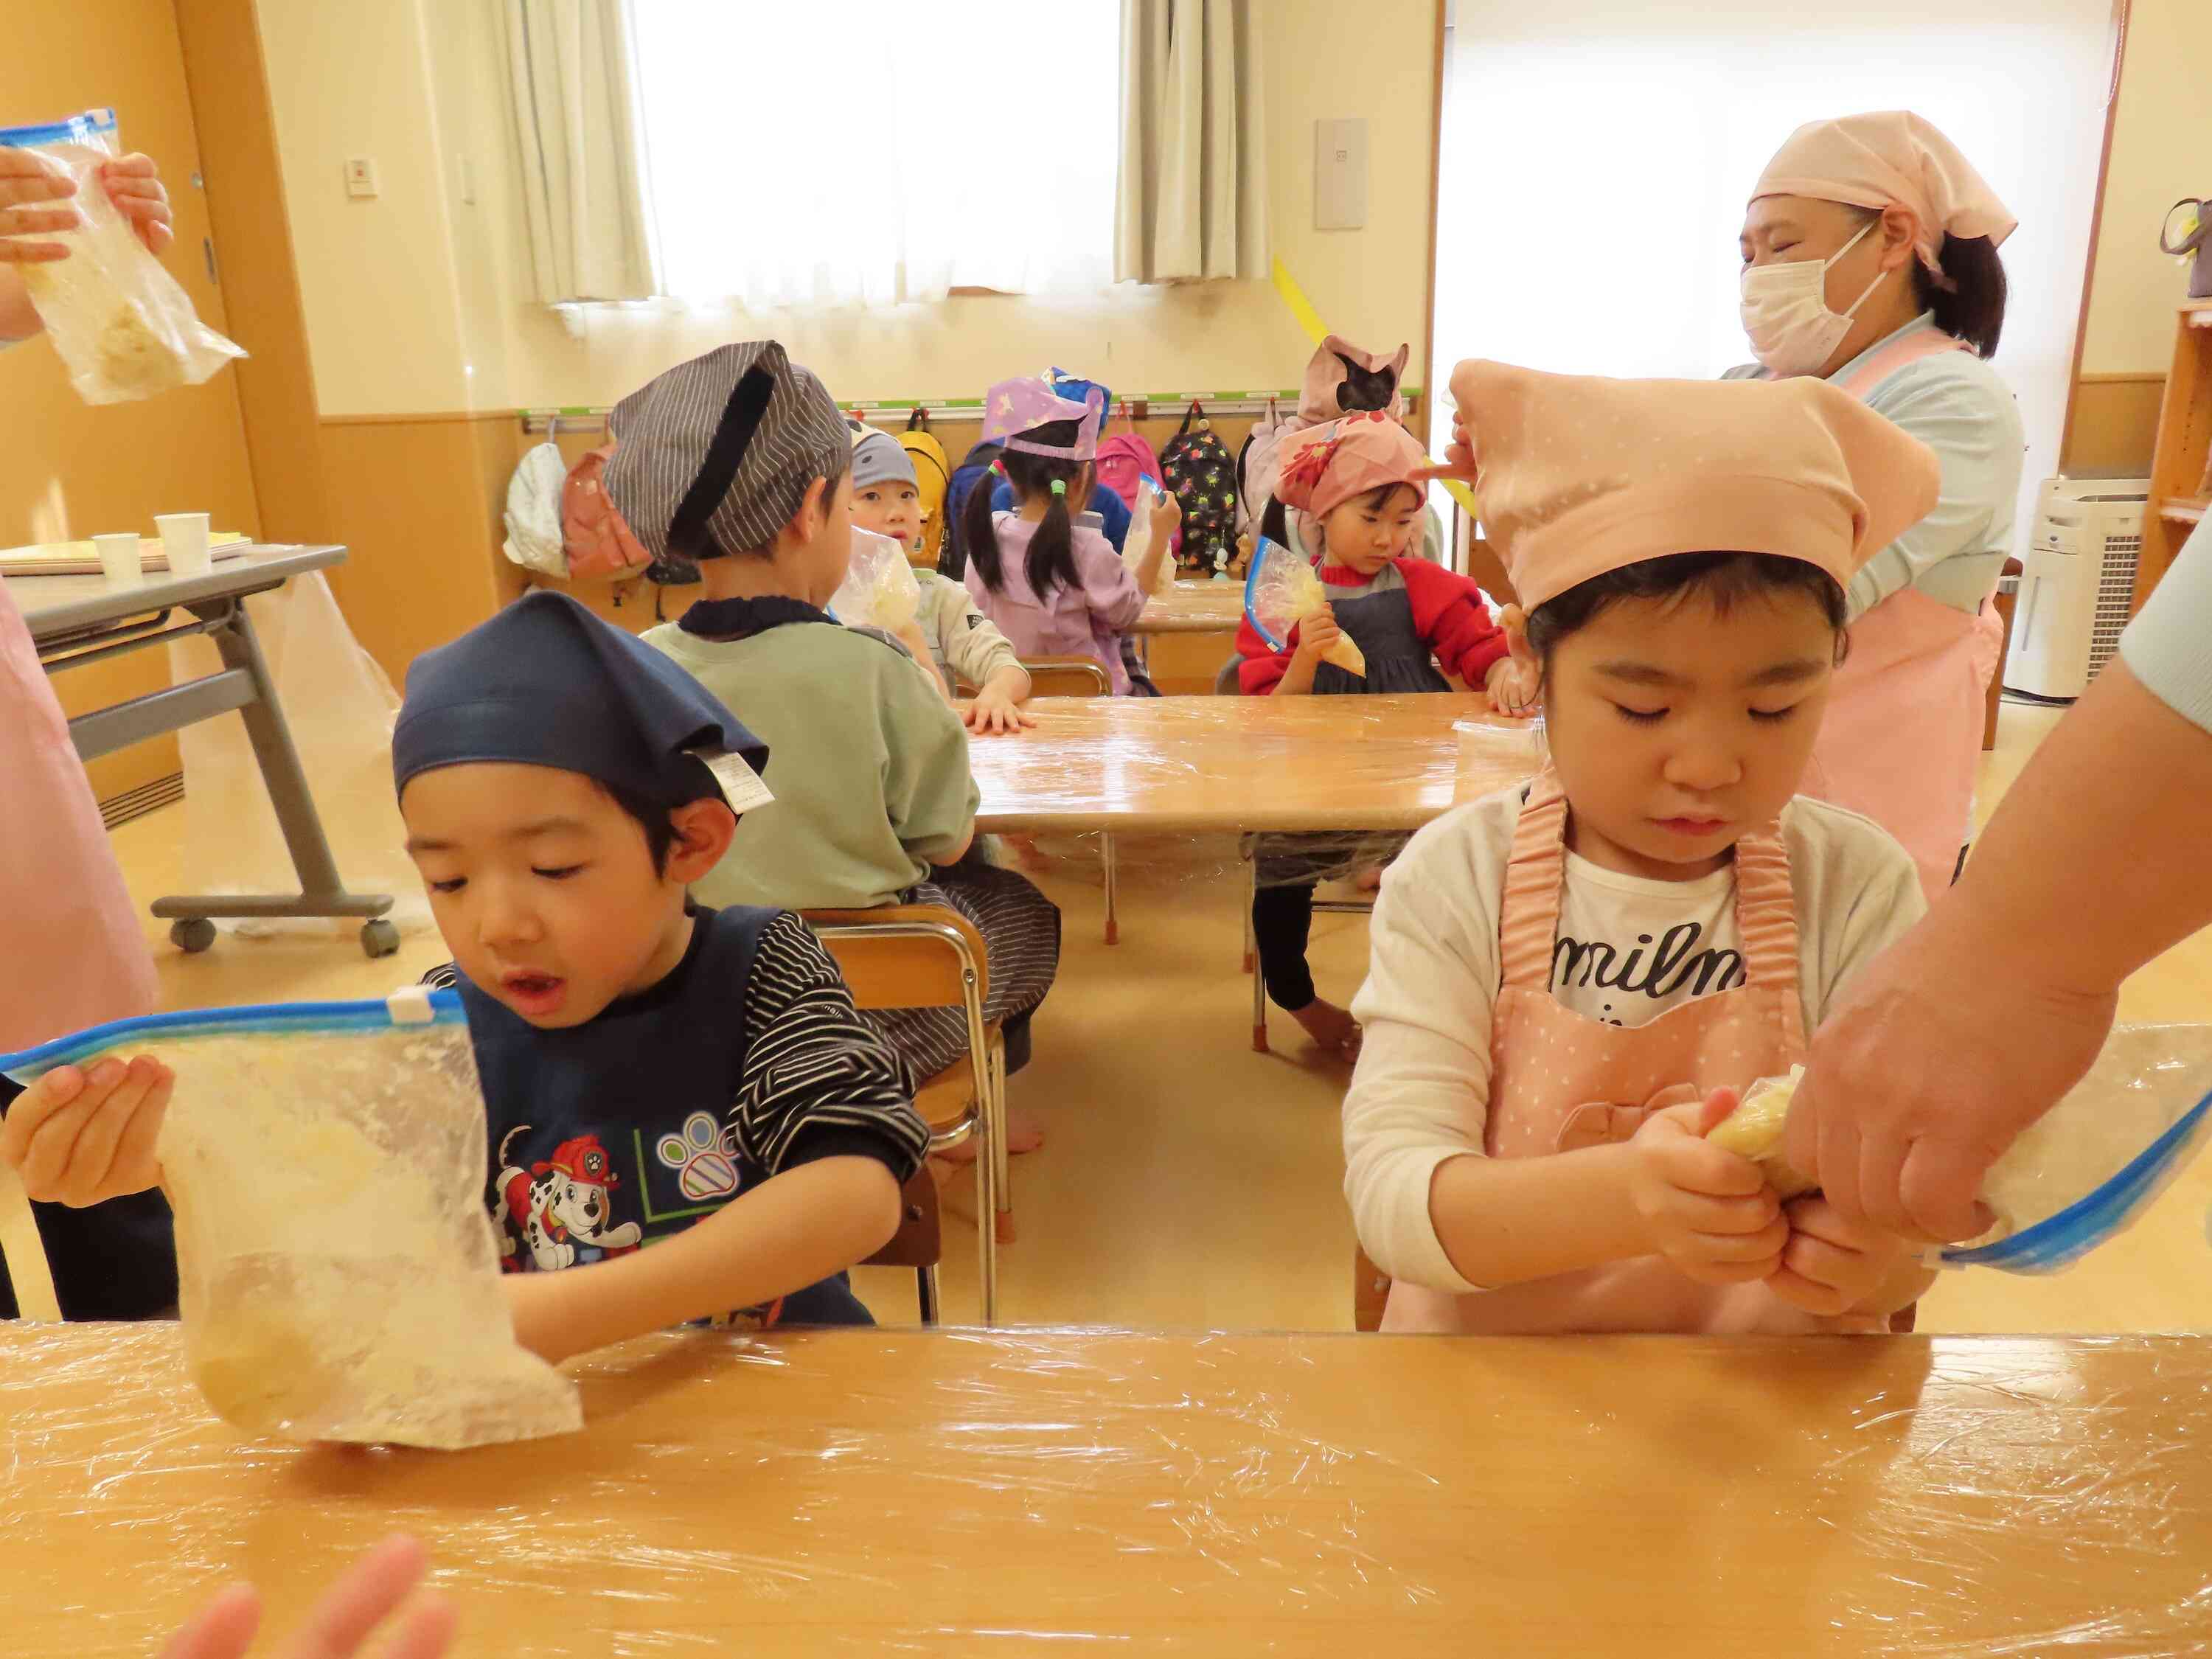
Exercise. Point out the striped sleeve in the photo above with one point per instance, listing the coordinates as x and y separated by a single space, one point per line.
818 1082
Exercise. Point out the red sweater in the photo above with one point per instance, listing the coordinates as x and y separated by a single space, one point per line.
1449 615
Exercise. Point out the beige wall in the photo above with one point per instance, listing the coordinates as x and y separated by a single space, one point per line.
414 301
2161 151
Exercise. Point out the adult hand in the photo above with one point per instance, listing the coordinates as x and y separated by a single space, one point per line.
134 184
1833 1265
32 200
351 1612
1933 1064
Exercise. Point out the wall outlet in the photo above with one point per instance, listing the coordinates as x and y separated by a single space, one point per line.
1340 174
361 177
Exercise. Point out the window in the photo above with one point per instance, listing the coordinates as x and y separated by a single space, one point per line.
1596 154
836 151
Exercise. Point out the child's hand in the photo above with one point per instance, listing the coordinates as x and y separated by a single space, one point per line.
1513 689
1831 1266
994 713
355 1608
1707 1210
1167 515
80 1137
1317 633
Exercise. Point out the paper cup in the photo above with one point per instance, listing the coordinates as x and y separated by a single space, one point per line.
121 558
184 539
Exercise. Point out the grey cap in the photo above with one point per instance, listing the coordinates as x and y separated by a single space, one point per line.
728 443
878 458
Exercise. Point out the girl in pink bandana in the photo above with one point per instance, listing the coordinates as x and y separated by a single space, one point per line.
1571 981
1357 479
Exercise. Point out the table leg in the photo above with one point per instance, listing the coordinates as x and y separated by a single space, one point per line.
322 890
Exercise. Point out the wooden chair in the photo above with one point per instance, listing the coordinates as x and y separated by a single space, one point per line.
1078 677
919 1243
921 956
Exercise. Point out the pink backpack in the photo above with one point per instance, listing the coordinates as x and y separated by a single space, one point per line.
1119 461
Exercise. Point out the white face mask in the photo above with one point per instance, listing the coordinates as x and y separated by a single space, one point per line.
1785 311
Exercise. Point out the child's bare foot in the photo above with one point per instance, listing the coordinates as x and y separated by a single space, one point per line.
1332 1027
1024 1133
1369 881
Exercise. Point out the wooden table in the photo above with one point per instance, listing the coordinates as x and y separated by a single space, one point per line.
1208 607
1241 763
76 620
1020 1492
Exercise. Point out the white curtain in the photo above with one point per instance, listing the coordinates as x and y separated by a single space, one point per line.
576 120
1192 197
877 151
1596 155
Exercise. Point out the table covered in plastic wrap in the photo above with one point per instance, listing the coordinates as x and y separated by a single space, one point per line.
1051 1491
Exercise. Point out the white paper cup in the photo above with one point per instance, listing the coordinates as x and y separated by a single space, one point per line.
184 539
121 558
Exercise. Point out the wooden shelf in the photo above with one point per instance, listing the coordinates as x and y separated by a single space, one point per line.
2178 471
2184 511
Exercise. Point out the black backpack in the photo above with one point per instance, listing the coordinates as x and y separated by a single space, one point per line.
972 472
1197 466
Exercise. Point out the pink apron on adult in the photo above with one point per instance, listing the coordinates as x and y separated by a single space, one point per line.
1903 727
73 951
1561 1081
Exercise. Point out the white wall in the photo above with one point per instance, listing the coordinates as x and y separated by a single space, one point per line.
415 301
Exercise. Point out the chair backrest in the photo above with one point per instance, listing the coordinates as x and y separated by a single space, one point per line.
918 1241
904 956
1068 676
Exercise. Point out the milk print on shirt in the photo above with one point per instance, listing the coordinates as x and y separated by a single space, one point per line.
1646 976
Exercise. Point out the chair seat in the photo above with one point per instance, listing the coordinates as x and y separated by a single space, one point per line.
944 1101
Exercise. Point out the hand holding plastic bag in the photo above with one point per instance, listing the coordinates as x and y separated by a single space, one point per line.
338 1272
1281 591
120 322
1138 542
2079 1176
879 589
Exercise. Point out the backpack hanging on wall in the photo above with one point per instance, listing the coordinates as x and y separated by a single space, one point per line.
1197 466
932 474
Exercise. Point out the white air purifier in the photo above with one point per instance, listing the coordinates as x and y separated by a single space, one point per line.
2080 580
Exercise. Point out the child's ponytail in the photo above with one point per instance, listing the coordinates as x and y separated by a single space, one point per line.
1051 563
979 532
1052 551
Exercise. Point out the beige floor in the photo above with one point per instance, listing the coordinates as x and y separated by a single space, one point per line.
1190 1183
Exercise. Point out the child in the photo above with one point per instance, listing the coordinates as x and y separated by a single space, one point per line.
1357 479
1055 587
949 632
740 461
562 784
1571 981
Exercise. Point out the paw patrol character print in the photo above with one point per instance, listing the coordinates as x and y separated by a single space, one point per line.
703 1158
562 1207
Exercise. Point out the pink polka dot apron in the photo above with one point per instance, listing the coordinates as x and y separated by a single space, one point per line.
1561 1081
1903 733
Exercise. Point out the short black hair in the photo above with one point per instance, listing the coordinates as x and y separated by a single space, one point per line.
649 815
1724 579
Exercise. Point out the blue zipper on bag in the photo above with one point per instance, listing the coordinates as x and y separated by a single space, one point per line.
2058 1241
77 130
265 1019
1261 548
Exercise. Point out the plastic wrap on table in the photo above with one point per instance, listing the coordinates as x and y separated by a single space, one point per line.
1019 1493
879 589
120 322
338 1272
1149 765
340 707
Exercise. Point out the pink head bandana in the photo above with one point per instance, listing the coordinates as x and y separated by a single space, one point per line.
1580 475
1890 159
1014 407
1343 380
1325 467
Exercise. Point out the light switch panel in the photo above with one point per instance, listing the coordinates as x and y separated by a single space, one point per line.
1340 174
361 177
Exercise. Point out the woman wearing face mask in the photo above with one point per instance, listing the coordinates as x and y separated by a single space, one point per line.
1870 259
